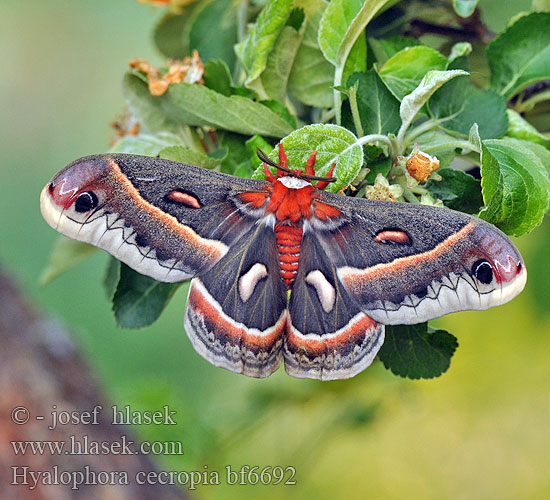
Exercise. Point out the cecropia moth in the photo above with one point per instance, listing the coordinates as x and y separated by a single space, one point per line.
280 268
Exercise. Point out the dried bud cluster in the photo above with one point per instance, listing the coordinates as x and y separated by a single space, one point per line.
420 165
189 70
125 124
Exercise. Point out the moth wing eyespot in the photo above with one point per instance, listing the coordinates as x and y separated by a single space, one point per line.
393 236
181 197
85 202
483 271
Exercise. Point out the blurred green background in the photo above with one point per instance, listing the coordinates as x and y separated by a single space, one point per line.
480 431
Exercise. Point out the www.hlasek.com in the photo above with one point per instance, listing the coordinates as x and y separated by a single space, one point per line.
245 475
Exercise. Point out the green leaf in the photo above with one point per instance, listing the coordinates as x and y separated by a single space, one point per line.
378 108
237 152
459 104
417 351
540 151
333 144
296 18
438 143
187 104
111 278
65 254
465 8
357 58
520 55
520 128
403 72
168 35
218 77
413 102
151 112
541 5
244 170
255 50
189 156
341 25
256 141
380 165
145 144
458 51
139 300
312 75
384 48
342 38
275 77
282 111
515 185
214 31
199 105
457 190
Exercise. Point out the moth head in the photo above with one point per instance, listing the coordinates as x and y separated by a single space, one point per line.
75 192
283 171
495 264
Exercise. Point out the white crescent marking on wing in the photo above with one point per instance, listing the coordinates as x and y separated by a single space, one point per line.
249 280
325 291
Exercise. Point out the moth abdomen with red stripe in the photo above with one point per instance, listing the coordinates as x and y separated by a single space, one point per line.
282 269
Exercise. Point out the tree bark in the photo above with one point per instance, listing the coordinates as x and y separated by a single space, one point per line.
40 367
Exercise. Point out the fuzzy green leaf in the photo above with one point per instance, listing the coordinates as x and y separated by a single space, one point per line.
202 106
152 112
139 300
279 63
413 102
342 23
312 75
187 104
145 144
189 156
333 144
515 185
417 351
520 55
65 254
457 190
403 72
254 51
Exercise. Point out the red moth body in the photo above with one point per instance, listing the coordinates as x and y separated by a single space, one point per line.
292 201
